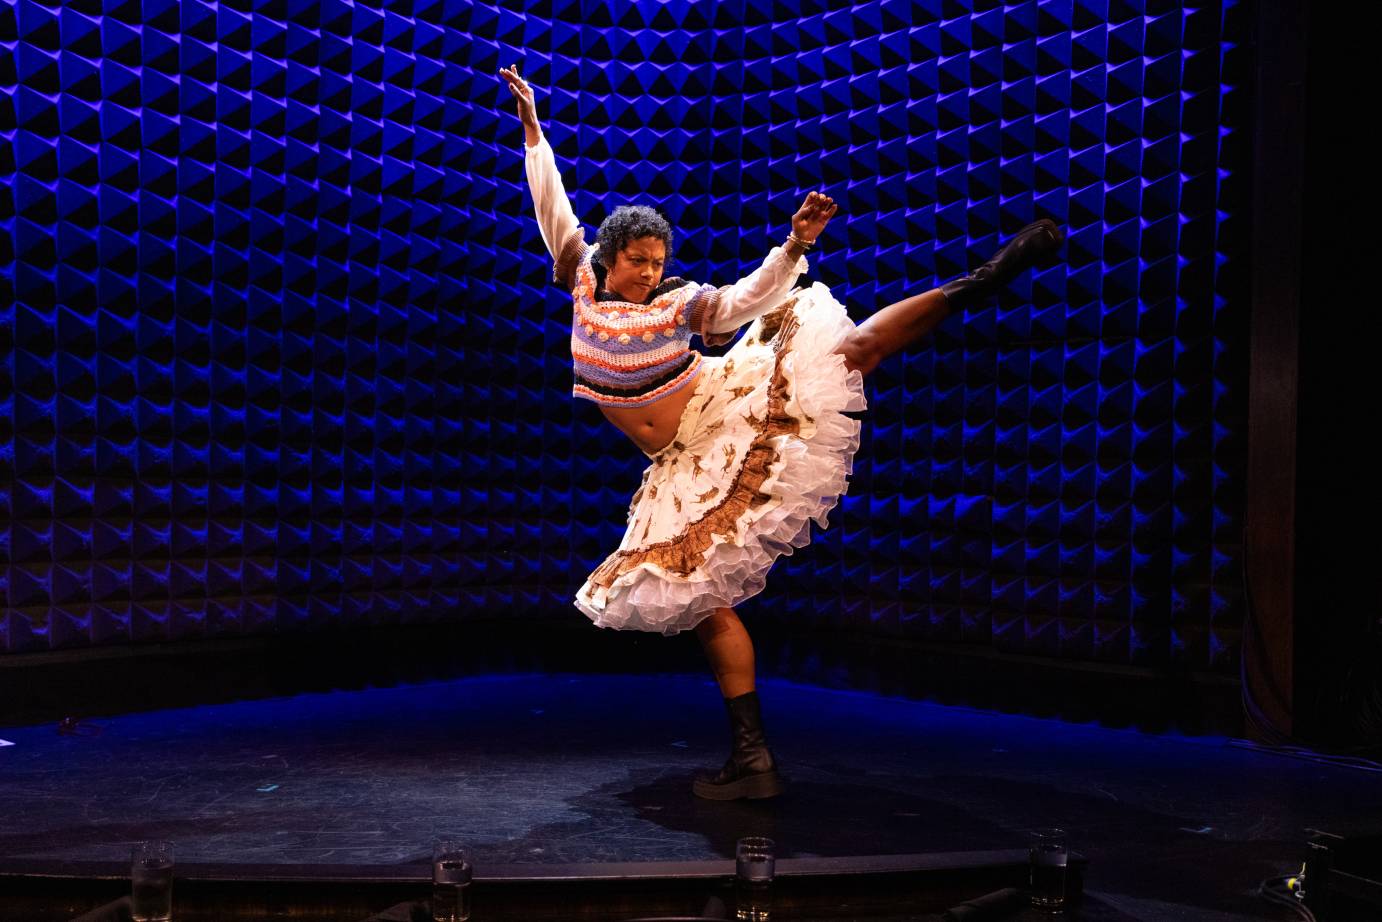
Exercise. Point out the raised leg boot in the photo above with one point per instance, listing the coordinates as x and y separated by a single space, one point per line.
1035 243
751 771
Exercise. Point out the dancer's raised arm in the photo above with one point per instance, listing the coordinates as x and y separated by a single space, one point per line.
725 310
555 216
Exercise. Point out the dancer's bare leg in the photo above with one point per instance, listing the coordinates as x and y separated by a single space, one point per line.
899 325
893 329
750 770
730 651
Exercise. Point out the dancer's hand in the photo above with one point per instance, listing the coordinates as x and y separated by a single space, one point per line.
527 111
815 213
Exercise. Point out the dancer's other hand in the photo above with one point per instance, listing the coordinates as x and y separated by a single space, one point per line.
813 215
527 111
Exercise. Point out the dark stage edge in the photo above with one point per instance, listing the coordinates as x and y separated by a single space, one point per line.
885 888
552 772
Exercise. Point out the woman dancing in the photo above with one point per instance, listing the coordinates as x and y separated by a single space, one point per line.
746 449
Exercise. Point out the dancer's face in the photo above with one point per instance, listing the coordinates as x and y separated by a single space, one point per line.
637 269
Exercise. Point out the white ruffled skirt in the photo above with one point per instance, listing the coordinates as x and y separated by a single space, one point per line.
763 449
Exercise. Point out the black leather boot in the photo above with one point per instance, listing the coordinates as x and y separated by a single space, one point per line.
1033 244
750 771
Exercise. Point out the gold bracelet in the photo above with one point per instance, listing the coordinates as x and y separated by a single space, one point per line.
804 244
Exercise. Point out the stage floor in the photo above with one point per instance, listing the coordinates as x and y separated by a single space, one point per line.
566 769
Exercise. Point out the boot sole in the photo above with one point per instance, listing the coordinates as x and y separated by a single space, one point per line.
754 787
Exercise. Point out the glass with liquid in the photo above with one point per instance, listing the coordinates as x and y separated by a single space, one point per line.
450 882
753 879
151 881
1049 856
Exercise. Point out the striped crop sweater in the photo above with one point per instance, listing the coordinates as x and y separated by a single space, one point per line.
628 354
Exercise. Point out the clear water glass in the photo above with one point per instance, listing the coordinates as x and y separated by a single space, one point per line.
1048 858
151 881
754 865
451 875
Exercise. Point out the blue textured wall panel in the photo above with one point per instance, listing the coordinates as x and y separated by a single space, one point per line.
280 350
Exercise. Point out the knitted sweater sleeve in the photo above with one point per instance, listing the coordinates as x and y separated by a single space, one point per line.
555 217
719 314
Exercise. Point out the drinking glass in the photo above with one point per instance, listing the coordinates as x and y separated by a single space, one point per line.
753 879
1048 858
151 881
450 882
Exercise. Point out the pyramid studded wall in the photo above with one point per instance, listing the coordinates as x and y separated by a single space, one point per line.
280 351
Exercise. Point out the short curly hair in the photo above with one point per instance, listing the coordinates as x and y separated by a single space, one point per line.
627 223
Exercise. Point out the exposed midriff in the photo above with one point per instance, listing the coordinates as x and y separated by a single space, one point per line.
653 426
